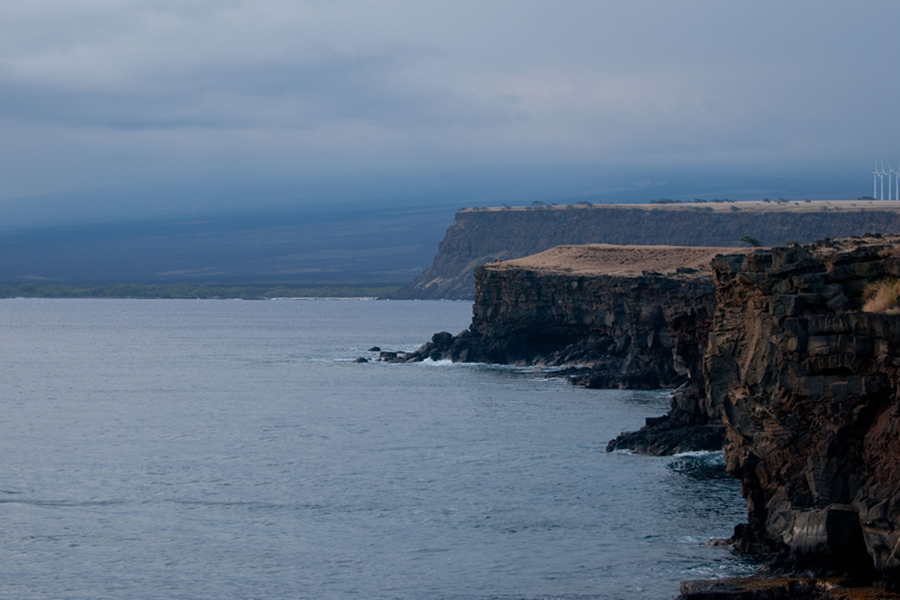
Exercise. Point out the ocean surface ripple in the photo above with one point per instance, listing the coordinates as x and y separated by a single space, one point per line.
211 449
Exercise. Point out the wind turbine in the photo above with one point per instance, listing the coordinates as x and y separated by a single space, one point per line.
890 175
875 181
880 176
897 188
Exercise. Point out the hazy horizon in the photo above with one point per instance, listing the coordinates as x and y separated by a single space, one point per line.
135 117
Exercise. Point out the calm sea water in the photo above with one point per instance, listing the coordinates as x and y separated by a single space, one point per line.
223 449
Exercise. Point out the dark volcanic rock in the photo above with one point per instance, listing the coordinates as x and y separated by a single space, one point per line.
807 387
803 382
688 427
637 332
442 340
664 436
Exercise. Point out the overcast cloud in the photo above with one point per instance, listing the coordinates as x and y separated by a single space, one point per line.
109 92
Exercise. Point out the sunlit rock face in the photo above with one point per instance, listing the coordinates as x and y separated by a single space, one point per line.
807 386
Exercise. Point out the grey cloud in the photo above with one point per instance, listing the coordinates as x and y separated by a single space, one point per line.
100 89
292 94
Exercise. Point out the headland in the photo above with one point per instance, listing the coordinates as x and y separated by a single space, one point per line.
482 235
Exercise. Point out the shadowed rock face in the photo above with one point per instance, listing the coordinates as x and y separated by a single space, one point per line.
628 330
807 386
637 329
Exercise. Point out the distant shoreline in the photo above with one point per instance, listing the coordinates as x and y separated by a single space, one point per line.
178 291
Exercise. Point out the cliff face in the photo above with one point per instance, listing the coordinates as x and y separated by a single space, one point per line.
477 237
638 332
807 386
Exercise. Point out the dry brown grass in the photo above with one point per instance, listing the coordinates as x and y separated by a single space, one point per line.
882 296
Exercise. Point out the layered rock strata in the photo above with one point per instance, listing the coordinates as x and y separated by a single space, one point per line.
479 236
807 387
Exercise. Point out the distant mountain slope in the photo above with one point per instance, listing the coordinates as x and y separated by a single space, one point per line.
479 236
250 247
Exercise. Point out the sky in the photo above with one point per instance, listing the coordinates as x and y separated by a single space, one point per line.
103 94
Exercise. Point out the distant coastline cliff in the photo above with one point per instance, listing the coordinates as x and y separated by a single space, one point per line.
479 236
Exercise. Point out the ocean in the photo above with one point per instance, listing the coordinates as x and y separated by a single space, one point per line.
232 450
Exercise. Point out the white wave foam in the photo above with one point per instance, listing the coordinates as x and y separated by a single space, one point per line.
698 454
438 363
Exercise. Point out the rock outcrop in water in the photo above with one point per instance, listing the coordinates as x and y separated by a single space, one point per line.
479 236
807 386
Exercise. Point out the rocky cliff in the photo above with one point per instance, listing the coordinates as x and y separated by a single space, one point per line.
807 386
479 236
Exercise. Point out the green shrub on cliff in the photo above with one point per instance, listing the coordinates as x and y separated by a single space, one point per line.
882 296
